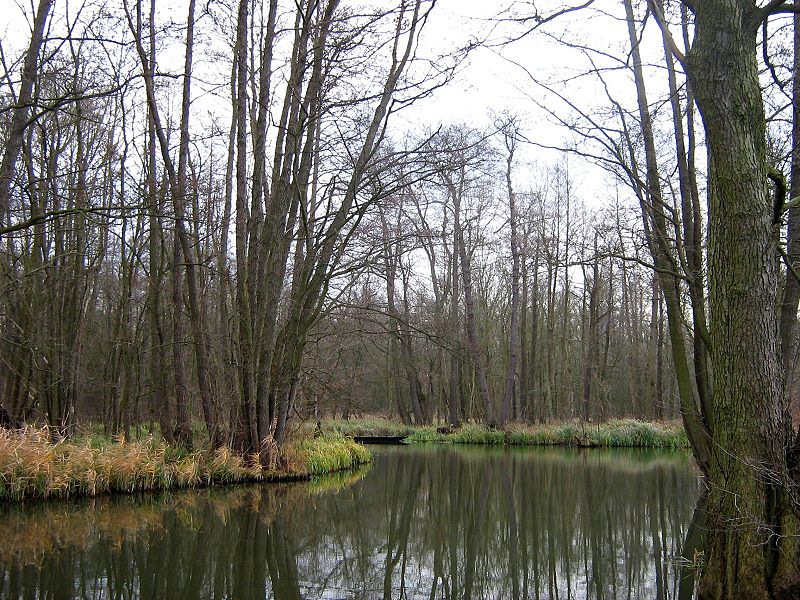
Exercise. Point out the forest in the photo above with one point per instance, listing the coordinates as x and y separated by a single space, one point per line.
221 220
280 249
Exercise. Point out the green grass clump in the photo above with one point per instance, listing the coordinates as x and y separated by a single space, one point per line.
327 454
526 437
639 434
618 433
424 435
478 434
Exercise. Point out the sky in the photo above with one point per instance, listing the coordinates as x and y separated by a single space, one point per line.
493 79
499 77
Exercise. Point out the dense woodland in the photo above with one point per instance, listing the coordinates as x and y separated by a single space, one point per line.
218 213
280 249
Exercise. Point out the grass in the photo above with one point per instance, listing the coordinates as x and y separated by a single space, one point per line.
378 426
329 454
32 466
618 433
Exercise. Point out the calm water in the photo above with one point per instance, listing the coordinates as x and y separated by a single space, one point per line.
422 522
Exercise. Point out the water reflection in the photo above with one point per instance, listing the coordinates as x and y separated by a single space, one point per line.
439 522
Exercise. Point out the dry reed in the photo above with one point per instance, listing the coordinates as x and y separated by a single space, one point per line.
33 466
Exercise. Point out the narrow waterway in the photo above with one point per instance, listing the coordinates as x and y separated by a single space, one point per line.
421 522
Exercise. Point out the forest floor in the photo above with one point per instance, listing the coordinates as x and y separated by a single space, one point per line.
617 433
33 466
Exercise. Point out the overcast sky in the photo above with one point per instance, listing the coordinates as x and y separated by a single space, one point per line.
493 79
499 77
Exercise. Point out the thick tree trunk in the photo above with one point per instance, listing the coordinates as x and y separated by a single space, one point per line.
751 540
469 309
415 393
397 380
162 401
524 374
246 429
183 424
592 338
692 242
652 341
179 198
183 251
402 355
454 403
535 371
549 343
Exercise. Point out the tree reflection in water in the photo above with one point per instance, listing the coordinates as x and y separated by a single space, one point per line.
438 522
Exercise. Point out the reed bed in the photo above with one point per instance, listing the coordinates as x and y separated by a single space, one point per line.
617 433
327 454
378 426
32 466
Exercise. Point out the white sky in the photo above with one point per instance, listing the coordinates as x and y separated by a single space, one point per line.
497 79
487 84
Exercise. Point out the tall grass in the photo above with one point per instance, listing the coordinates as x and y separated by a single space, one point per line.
331 453
31 466
618 433
376 426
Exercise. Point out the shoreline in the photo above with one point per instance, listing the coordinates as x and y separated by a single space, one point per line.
616 433
33 468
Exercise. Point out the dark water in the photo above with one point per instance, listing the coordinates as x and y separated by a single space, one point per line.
422 522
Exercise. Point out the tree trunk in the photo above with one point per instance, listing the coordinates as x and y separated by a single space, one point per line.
692 242
402 355
469 307
524 374
534 395
513 339
694 405
179 197
19 115
751 541
791 290
592 337
183 425
246 436
454 403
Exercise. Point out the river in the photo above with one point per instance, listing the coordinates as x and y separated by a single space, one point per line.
422 522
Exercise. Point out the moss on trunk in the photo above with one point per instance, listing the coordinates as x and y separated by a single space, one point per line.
750 551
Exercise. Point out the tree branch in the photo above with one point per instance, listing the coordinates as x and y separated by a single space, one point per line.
658 13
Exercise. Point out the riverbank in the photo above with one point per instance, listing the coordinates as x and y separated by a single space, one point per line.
31 466
617 433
